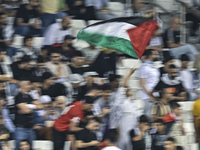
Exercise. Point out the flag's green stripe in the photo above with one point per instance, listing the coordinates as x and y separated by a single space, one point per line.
111 42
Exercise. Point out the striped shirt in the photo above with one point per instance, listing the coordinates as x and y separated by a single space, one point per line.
160 109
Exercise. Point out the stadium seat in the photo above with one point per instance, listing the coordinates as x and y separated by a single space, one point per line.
37 42
43 145
18 41
79 44
169 5
67 145
189 127
134 84
186 111
93 21
130 63
77 25
116 8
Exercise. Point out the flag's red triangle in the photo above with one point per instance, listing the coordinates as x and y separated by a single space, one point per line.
141 36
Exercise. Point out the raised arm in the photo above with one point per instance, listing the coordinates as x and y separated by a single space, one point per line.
128 77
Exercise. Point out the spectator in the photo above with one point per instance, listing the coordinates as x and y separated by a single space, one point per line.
6 30
102 10
170 144
128 113
68 51
172 83
48 113
22 69
3 131
162 107
28 50
26 21
187 78
75 88
24 106
159 137
167 62
6 34
101 109
113 136
51 88
79 10
114 82
172 40
56 67
77 63
174 122
137 134
149 77
57 31
196 121
49 9
86 138
40 68
90 53
4 109
24 145
60 104
69 121
137 9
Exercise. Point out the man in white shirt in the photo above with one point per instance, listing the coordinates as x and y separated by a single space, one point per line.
57 31
187 78
149 77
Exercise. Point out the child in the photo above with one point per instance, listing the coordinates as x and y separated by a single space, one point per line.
159 137
175 123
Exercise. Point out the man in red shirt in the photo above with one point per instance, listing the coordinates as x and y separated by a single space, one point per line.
69 120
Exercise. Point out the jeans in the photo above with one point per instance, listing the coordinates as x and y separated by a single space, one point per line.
11 51
24 134
24 30
47 19
188 49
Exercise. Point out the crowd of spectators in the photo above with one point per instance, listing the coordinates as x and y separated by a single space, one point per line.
59 93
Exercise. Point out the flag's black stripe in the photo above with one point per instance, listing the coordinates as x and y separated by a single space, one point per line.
132 20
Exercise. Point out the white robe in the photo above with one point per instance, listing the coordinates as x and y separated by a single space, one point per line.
128 120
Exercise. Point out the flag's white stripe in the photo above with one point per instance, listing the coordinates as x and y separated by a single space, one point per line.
117 29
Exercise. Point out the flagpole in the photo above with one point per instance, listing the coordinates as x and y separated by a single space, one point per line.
136 63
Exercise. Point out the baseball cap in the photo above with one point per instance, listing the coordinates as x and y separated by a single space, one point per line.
69 37
44 99
76 78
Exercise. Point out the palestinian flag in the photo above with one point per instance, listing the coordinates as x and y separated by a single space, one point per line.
130 35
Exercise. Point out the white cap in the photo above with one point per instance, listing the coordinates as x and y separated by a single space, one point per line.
44 99
86 74
76 78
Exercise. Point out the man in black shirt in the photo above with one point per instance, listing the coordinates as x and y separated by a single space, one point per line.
86 139
22 68
26 21
77 63
172 40
137 134
173 84
24 107
51 88
170 144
